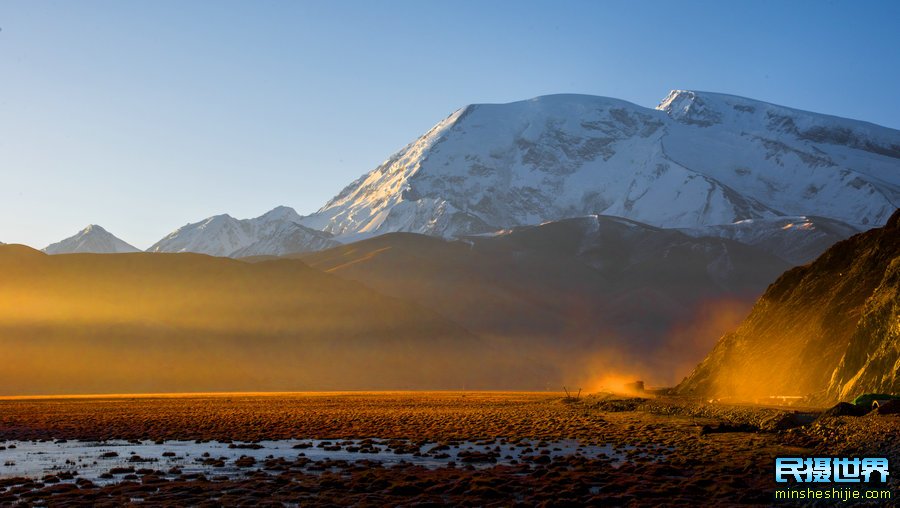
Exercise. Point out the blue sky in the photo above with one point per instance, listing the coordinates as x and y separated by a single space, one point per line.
142 116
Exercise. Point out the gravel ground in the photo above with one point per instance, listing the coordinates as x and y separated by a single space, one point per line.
680 451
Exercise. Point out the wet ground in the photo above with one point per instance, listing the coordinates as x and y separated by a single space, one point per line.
109 461
479 449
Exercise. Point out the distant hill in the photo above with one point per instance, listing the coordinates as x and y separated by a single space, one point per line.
830 329
594 294
92 239
88 323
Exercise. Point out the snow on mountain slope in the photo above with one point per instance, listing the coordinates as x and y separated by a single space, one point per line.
276 232
797 240
92 239
699 159
796 162
219 235
284 237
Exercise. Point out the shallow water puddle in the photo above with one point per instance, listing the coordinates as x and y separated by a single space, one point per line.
112 461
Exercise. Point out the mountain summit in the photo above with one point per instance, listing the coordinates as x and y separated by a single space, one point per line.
276 232
698 159
92 239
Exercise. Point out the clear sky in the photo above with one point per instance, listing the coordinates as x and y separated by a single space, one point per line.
142 116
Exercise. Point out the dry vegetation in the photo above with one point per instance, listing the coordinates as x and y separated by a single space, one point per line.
340 415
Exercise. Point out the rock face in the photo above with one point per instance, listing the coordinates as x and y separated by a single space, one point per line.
872 360
699 159
274 233
92 239
829 330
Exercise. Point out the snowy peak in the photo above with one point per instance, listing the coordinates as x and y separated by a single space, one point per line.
491 166
218 235
276 232
705 109
795 162
699 159
688 107
92 239
280 213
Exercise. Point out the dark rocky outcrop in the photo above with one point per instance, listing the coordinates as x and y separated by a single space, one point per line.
829 330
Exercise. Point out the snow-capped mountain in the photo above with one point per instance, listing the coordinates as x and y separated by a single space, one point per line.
92 239
276 232
698 159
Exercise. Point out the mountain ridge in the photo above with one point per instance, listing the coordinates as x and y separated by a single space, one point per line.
275 232
575 290
157 322
716 160
92 240
707 163
680 93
